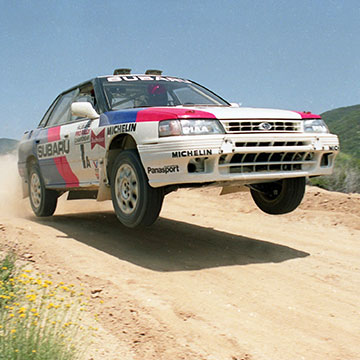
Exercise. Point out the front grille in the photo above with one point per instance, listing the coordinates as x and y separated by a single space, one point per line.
270 143
261 126
266 162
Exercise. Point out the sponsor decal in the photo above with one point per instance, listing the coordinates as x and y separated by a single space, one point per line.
163 170
98 139
53 149
96 168
84 159
121 128
82 136
186 153
334 147
145 78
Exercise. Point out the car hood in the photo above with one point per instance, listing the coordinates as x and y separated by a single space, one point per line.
223 113
198 112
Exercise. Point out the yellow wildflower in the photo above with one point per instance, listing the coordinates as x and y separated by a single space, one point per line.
13 331
31 297
4 268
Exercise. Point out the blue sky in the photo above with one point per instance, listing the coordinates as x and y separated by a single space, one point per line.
288 54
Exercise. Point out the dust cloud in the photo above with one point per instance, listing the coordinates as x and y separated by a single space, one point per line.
11 202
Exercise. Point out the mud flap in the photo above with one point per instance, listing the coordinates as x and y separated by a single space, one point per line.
233 189
25 188
104 192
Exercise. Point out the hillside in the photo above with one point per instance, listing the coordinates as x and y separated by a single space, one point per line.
345 122
7 146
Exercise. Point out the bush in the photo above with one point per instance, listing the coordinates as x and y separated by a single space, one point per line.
346 176
39 320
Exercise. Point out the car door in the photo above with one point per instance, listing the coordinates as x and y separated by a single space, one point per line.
87 142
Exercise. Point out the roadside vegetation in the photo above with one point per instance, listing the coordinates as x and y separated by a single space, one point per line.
345 122
346 176
39 319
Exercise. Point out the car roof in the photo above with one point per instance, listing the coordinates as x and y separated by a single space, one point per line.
121 75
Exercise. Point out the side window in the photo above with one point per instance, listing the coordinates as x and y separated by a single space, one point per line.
85 94
61 112
47 114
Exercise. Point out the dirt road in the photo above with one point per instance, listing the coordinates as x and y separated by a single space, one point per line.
214 278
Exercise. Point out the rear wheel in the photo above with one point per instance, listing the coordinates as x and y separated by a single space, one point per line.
42 200
279 197
135 202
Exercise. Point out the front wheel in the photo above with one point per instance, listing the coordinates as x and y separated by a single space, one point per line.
43 201
135 202
279 197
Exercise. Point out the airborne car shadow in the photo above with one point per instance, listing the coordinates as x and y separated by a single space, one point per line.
168 245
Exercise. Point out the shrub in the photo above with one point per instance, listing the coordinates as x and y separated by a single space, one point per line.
346 176
39 319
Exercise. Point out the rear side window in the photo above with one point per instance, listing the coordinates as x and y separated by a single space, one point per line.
44 120
61 113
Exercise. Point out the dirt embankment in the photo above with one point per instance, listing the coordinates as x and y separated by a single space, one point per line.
213 279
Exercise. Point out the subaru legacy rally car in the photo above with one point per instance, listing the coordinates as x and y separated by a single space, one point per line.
133 139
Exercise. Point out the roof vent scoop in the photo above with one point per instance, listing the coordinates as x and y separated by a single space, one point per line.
122 71
153 72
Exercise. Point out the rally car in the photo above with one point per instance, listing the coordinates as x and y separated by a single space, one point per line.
133 138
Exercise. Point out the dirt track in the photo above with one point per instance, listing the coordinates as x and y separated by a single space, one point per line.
214 278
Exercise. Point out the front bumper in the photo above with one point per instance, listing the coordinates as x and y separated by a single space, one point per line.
237 158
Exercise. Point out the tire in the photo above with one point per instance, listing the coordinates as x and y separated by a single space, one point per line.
279 197
135 202
42 200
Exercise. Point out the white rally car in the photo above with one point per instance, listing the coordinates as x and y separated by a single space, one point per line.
135 138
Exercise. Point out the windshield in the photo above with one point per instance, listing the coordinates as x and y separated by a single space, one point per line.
125 92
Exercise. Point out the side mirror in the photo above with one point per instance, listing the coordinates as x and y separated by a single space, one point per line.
84 109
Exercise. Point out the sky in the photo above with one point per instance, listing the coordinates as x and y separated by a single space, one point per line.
287 54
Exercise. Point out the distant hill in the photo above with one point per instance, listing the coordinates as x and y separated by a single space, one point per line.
345 122
7 146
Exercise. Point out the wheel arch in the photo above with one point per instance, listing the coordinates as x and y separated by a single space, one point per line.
119 143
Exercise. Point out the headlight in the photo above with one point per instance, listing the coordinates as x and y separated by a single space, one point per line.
315 126
190 127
